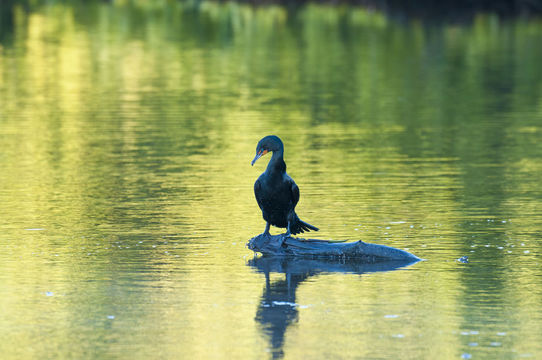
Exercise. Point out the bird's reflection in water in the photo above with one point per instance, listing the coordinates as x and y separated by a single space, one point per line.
278 307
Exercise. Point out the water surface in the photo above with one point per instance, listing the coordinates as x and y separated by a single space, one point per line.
126 134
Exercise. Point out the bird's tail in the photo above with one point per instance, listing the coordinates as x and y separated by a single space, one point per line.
300 226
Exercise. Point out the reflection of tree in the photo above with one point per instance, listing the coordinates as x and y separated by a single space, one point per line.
278 307
6 19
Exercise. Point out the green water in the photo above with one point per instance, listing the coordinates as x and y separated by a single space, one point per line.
126 200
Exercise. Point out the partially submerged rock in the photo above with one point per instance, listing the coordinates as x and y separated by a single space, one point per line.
311 248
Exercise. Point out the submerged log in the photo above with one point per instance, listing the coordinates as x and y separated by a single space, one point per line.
311 248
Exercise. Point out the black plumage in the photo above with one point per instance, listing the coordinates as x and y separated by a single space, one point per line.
276 192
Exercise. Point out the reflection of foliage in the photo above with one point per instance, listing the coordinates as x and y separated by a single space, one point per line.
134 119
456 10
437 92
6 19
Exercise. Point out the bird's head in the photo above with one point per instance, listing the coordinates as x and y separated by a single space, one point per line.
269 143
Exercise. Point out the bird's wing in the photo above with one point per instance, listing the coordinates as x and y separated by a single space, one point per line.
294 189
258 192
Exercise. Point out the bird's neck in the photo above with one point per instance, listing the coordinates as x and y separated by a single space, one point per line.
276 164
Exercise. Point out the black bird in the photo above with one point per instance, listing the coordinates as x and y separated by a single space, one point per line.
276 192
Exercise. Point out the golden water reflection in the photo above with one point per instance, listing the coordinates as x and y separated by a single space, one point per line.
127 133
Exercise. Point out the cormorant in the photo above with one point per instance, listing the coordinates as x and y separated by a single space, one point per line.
276 192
